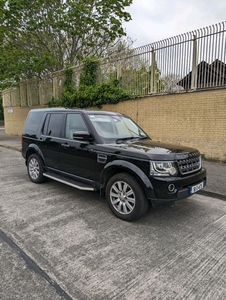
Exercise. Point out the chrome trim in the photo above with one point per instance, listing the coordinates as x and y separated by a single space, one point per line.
189 165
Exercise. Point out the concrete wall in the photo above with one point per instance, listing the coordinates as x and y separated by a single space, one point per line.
30 93
19 100
14 118
196 119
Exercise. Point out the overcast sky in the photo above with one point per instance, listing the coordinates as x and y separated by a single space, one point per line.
154 20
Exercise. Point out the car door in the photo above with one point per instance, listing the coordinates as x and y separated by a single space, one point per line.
78 157
51 140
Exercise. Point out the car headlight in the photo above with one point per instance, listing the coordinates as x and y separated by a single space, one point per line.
163 168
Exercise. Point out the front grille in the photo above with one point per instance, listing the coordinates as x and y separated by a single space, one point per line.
190 164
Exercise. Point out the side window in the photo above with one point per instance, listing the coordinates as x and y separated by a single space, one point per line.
74 122
32 122
53 125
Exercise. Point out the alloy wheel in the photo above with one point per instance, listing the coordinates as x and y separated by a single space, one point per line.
122 197
34 168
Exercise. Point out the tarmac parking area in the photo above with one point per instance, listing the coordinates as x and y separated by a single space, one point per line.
79 250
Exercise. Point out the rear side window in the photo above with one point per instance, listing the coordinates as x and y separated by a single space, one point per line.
32 122
53 125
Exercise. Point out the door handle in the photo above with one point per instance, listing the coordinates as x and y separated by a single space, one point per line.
66 145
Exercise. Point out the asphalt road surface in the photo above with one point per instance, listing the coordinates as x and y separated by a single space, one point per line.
60 243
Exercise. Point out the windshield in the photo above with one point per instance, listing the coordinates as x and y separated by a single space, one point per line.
116 128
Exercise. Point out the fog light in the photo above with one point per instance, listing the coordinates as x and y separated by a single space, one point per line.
171 188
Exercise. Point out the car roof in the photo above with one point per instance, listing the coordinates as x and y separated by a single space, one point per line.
84 111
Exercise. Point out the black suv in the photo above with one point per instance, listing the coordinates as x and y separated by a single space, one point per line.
108 152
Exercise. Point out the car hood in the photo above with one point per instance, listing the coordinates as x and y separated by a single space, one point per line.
152 150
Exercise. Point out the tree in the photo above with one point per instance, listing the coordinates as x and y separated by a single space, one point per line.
171 83
39 37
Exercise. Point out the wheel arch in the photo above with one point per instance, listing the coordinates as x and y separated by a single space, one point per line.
33 148
119 166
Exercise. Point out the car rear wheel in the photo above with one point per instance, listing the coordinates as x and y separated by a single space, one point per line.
126 197
35 168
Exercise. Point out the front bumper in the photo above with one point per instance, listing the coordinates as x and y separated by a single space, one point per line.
182 187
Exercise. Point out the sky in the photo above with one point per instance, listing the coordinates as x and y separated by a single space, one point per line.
154 20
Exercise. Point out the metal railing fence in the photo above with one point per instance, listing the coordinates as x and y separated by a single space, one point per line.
190 61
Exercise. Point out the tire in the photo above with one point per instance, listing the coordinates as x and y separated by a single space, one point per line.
35 168
126 197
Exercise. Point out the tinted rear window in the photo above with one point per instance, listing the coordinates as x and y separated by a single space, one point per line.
32 122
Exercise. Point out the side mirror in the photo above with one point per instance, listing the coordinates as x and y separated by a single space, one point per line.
82 136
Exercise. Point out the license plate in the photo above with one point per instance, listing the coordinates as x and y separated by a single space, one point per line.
196 188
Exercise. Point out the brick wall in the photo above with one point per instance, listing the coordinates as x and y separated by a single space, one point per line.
196 119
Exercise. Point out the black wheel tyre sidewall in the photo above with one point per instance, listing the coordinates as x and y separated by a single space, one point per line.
141 203
40 176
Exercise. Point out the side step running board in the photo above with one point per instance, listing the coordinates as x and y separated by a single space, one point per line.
76 184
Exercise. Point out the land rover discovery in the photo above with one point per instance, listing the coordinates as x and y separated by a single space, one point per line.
108 152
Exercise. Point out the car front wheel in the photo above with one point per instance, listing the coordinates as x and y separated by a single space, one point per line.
126 197
35 168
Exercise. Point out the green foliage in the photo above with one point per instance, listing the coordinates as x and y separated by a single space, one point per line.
38 37
68 85
90 92
96 95
89 72
1 110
